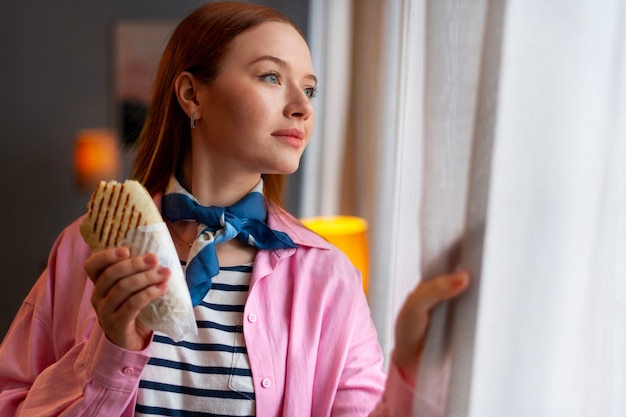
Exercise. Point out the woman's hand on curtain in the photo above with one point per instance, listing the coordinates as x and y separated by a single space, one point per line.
412 320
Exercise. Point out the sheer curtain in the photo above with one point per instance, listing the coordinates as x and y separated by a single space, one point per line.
488 135
330 41
550 324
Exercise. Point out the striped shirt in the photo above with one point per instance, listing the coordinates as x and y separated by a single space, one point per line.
207 375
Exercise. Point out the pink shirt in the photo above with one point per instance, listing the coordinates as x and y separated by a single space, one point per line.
312 346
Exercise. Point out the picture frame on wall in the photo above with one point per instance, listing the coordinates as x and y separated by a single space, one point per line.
138 46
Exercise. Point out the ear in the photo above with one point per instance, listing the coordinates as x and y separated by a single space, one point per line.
186 87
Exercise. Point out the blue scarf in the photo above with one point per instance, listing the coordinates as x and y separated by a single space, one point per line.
244 220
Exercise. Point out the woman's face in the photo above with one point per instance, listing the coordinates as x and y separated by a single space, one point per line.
257 115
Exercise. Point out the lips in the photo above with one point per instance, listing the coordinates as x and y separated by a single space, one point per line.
293 137
294 133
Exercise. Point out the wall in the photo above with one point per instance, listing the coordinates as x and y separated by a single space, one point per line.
56 79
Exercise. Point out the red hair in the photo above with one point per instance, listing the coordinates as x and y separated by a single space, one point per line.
198 45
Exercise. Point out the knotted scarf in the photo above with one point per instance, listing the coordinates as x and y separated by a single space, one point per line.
244 220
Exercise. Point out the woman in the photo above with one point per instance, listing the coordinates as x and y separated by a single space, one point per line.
284 327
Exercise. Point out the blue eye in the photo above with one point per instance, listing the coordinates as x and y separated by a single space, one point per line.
311 92
273 78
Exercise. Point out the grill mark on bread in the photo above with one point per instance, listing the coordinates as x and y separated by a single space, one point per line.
101 215
119 225
116 192
138 218
122 229
97 214
105 223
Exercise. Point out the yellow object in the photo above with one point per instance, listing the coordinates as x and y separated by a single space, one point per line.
96 157
349 234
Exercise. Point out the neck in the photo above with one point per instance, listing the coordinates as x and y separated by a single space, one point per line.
220 189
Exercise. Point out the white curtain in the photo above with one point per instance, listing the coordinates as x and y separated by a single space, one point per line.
551 317
330 43
489 135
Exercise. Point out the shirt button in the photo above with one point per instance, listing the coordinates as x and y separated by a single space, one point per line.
252 317
266 383
128 371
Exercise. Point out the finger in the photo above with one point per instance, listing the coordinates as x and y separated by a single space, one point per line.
122 269
136 301
131 294
430 293
128 286
99 261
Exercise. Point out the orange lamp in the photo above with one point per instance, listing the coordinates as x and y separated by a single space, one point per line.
96 157
349 234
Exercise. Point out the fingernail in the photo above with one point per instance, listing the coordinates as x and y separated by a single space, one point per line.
164 271
459 279
120 253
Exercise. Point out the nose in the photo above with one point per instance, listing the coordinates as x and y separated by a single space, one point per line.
298 104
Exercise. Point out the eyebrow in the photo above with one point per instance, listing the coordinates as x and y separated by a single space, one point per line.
281 63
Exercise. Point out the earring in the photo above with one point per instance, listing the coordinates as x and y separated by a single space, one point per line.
193 121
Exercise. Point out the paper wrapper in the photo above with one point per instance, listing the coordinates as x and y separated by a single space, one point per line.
172 313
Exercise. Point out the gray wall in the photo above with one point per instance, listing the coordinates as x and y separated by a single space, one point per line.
56 79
